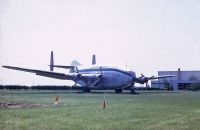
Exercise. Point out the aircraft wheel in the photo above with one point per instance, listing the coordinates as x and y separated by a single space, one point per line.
118 90
86 90
132 91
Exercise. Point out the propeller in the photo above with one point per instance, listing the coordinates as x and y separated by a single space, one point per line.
142 79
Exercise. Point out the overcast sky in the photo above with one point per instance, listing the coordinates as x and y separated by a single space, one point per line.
146 35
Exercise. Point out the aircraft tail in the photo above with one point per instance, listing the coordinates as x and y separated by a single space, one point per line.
75 63
93 59
51 61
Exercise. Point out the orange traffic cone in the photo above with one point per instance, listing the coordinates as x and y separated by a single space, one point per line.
104 104
104 101
57 100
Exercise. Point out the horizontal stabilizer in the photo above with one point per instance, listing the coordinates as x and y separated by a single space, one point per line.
64 67
58 66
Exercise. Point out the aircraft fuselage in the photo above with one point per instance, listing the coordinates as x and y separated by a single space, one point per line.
112 78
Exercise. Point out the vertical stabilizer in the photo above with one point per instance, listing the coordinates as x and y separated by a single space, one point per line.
51 61
93 59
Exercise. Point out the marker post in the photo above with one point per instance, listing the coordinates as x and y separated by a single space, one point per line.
104 101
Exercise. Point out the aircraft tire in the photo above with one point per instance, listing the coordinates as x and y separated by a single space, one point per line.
86 90
132 91
118 90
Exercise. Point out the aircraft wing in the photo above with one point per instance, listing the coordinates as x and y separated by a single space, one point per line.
55 75
142 79
64 67
164 76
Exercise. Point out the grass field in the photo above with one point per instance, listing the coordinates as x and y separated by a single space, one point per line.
149 110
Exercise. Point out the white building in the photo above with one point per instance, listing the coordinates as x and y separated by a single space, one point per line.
182 79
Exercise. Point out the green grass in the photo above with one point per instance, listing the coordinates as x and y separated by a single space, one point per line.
149 110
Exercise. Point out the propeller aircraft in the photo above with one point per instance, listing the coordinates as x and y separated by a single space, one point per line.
93 76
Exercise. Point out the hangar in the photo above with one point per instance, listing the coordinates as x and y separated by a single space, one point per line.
183 80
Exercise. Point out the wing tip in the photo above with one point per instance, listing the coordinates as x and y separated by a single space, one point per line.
4 66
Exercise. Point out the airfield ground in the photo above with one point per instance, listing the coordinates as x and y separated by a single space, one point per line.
81 111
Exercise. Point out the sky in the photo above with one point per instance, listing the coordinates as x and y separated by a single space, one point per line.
145 35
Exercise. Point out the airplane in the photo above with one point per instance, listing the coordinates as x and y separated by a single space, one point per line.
94 76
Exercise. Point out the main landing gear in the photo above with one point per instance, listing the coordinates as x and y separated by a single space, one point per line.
86 90
132 90
119 90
